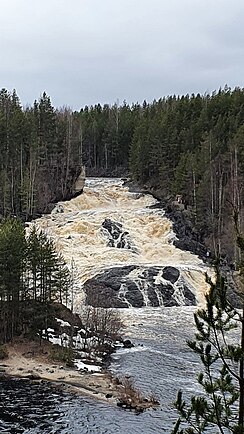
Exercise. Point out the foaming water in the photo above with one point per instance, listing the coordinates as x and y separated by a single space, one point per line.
78 234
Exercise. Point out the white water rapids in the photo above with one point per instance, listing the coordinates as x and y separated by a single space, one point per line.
78 235
160 362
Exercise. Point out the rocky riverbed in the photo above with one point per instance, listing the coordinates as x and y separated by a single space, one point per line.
138 286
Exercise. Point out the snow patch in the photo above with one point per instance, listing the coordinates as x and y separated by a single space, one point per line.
85 367
63 323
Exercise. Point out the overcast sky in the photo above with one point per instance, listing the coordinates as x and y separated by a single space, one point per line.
87 51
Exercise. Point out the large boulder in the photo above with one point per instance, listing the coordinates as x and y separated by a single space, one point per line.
171 273
138 286
115 234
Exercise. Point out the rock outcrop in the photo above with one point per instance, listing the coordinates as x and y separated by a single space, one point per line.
54 186
80 182
138 286
115 234
188 238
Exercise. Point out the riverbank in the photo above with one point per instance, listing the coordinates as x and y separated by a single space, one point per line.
32 361
188 237
29 360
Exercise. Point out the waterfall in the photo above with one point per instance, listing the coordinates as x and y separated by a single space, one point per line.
121 249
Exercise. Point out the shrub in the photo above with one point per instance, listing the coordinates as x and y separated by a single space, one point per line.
129 393
105 325
62 354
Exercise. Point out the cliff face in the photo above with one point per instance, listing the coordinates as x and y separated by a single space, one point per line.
80 182
54 185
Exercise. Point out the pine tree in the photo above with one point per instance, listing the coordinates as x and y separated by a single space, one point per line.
48 279
222 404
12 269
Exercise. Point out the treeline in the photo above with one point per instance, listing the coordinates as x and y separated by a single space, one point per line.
193 146
32 277
186 146
190 146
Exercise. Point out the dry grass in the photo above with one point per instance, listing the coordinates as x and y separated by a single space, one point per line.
131 397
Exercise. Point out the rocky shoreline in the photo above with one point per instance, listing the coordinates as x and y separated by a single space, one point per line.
188 238
27 360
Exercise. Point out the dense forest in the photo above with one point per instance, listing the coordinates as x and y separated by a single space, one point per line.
33 276
189 146
40 155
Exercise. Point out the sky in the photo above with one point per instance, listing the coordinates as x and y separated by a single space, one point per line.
82 52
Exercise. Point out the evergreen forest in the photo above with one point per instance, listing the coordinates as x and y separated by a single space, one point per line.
190 146
33 276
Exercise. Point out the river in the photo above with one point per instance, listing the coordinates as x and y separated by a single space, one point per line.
160 362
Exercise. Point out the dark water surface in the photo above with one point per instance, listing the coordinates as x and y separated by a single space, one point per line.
160 363
30 408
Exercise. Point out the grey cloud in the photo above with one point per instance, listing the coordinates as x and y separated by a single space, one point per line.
85 51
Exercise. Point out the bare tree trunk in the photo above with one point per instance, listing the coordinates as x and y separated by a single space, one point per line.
12 189
194 193
69 134
117 131
81 146
32 183
94 146
212 199
220 206
106 155
236 195
241 376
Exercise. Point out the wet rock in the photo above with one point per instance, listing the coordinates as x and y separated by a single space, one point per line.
127 405
117 237
133 295
58 209
116 381
101 295
193 246
171 274
128 344
122 404
189 296
167 292
33 376
188 238
153 297
139 286
50 207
